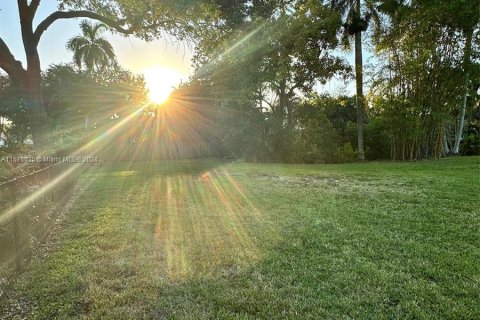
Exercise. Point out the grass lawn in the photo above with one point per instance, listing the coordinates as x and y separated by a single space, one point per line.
204 239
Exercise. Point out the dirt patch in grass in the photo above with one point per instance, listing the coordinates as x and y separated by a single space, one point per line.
307 180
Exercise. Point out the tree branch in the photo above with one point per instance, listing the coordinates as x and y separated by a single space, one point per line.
22 4
268 103
295 86
8 62
34 5
117 25
27 12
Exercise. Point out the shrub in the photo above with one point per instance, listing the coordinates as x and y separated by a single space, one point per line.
470 145
345 153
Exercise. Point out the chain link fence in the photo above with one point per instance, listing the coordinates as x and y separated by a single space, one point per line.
28 207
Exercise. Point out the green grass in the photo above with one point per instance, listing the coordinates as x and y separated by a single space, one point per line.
203 239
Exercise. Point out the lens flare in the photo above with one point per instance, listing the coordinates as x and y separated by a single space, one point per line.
161 81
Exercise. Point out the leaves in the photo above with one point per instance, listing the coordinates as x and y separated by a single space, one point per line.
89 49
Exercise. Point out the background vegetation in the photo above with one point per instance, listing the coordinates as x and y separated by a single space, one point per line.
258 67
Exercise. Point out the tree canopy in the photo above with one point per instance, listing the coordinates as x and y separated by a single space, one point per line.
260 64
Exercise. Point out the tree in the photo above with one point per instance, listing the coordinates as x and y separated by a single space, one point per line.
14 110
421 80
267 54
141 18
356 23
71 95
463 16
90 49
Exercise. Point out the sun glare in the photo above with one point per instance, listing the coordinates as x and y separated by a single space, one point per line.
161 81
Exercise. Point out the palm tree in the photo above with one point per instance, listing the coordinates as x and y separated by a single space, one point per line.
89 49
92 51
354 25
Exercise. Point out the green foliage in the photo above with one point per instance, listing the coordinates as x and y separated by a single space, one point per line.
152 19
350 133
319 136
345 153
15 111
378 138
319 133
470 145
71 95
259 60
89 49
426 58
243 130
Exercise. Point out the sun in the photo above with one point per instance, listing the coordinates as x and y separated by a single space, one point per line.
161 81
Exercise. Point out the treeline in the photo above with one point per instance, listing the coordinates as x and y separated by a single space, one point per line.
262 61
254 95
78 105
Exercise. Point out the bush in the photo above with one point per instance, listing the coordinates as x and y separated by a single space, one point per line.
377 139
345 153
470 145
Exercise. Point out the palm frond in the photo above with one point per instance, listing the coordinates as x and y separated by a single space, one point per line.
97 27
106 48
89 49
76 42
86 28
78 56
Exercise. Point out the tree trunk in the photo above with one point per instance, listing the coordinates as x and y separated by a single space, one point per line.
359 86
279 121
31 83
461 122
446 148
463 110
38 117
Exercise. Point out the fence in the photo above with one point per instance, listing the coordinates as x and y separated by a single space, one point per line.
160 150
28 207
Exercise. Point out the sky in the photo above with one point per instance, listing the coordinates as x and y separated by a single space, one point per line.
148 58
133 54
